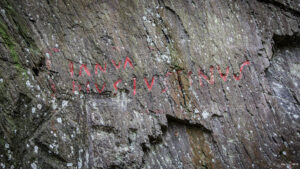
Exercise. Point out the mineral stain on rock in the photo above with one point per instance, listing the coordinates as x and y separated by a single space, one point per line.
149 84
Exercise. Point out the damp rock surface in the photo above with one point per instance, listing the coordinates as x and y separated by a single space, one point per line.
149 84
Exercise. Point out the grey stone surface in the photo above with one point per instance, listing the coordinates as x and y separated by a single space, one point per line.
46 122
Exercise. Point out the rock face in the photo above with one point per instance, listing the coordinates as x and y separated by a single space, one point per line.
149 84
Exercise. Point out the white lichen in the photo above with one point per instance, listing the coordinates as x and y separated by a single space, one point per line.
28 84
64 103
36 149
7 146
205 114
33 110
59 120
33 166
39 106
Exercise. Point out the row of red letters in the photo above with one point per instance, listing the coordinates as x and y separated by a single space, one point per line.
210 80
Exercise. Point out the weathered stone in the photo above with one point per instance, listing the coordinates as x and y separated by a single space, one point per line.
149 84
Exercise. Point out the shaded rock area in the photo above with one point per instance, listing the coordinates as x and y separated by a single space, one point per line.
149 84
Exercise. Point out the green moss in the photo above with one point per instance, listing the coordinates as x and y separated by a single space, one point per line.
3 33
10 44
175 58
19 27
20 24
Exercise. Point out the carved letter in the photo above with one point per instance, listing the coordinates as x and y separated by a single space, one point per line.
114 63
134 86
53 88
116 84
71 67
98 66
87 86
223 76
127 60
147 83
239 77
165 82
79 86
211 81
100 91
74 85
85 69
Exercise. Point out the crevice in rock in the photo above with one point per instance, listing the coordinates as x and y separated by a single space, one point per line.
282 41
179 20
282 76
181 88
188 123
108 129
281 6
36 70
45 149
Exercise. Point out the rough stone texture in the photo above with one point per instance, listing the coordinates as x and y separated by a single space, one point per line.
250 123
